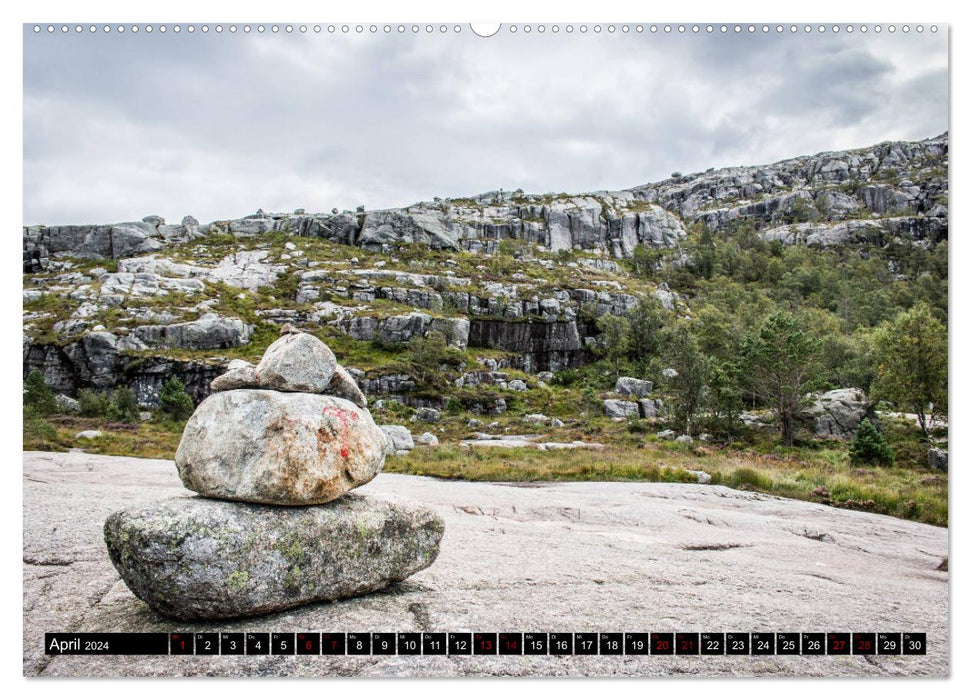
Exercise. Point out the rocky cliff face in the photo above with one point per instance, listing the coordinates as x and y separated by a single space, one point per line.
132 302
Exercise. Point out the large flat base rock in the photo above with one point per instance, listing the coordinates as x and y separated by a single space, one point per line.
203 559
552 557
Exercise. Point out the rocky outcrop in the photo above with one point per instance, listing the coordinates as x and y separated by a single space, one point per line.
268 558
210 332
838 413
832 184
894 179
887 195
246 269
398 330
927 230
541 346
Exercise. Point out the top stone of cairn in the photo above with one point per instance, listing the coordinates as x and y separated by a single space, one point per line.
296 362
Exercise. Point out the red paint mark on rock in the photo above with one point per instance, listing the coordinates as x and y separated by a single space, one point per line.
342 415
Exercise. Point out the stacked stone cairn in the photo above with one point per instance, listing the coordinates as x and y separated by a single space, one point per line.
273 453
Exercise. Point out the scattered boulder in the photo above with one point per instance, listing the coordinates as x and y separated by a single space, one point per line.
666 435
685 440
630 386
517 385
838 413
200 559
556 423
296 362
88 435
617 409
399 439
427 415
702 476
535 419
427 439
67 404
937 459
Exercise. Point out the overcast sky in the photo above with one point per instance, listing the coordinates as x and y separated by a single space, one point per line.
217 126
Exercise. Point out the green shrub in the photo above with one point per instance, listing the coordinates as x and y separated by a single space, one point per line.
38 397
38 431
124 406
870 447
746 476
93 404
175 403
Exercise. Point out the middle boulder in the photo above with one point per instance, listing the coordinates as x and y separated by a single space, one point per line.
280 448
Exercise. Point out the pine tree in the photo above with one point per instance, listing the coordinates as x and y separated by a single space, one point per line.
175 403
869 446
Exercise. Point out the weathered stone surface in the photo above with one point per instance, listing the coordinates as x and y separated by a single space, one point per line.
584 549
239 375
200 559
400 441
296 362
937 459
631 386
276 447
615 408
342 384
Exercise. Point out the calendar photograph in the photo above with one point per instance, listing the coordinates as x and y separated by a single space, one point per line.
453 350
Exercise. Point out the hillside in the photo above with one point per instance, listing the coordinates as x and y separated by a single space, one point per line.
501 307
